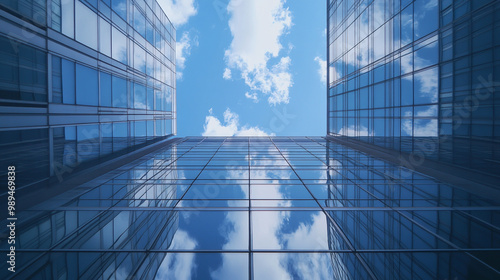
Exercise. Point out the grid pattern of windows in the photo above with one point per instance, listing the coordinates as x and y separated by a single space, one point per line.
101 66
408 74
23 72
261 208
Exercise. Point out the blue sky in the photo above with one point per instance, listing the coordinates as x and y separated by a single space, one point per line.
250 67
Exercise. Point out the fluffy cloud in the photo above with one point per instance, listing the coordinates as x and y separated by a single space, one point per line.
321 69
256 27
274 233
178 11
183 50
227 74
181 265
252 96
231 127
353 131
422 127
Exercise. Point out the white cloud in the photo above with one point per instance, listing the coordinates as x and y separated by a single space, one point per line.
178 11
256 27
252 96
180 265
422 127
321 69
231 127
183 50
273 233
353 131
227 74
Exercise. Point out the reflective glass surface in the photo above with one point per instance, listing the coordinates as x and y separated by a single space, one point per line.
261 208
86 25
87 87
388 58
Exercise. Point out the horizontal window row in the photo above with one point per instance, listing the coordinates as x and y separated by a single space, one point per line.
23 72
81 23
73 83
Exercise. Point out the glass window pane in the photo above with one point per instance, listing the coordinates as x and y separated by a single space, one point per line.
160 128
168 127
426 83
86 25
139 58
105 89
139 96
86 86
87 142
139 22
426 17
407 25
119 46
120 7
68 81
119 92
67 18
104 37
56 80
140 129
151 98
120 136
32 73
427 56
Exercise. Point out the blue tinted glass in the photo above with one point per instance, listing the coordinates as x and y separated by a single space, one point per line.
151 98
150 129
427 56
139 96
168 127
149 33
86 86
131 95
378 95
159 101
120 136
120 7
426 86
407 90
56 79
68 81
140 129
139 22
159 128
105 89
119 45
426 17
407 25
119 92
120 129
106 138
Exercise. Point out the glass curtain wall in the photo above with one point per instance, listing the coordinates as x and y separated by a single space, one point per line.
260 208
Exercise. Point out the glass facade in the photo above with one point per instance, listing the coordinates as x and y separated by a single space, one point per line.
82 81
417 77
260 208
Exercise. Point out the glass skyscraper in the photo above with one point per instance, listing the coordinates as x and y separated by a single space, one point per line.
82 81
260 208
418 77
402 186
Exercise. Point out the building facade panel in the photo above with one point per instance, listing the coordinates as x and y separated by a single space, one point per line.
417 76
87 66
258 208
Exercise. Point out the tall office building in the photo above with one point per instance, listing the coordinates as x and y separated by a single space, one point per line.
418 77
82 81
259 208
376 198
